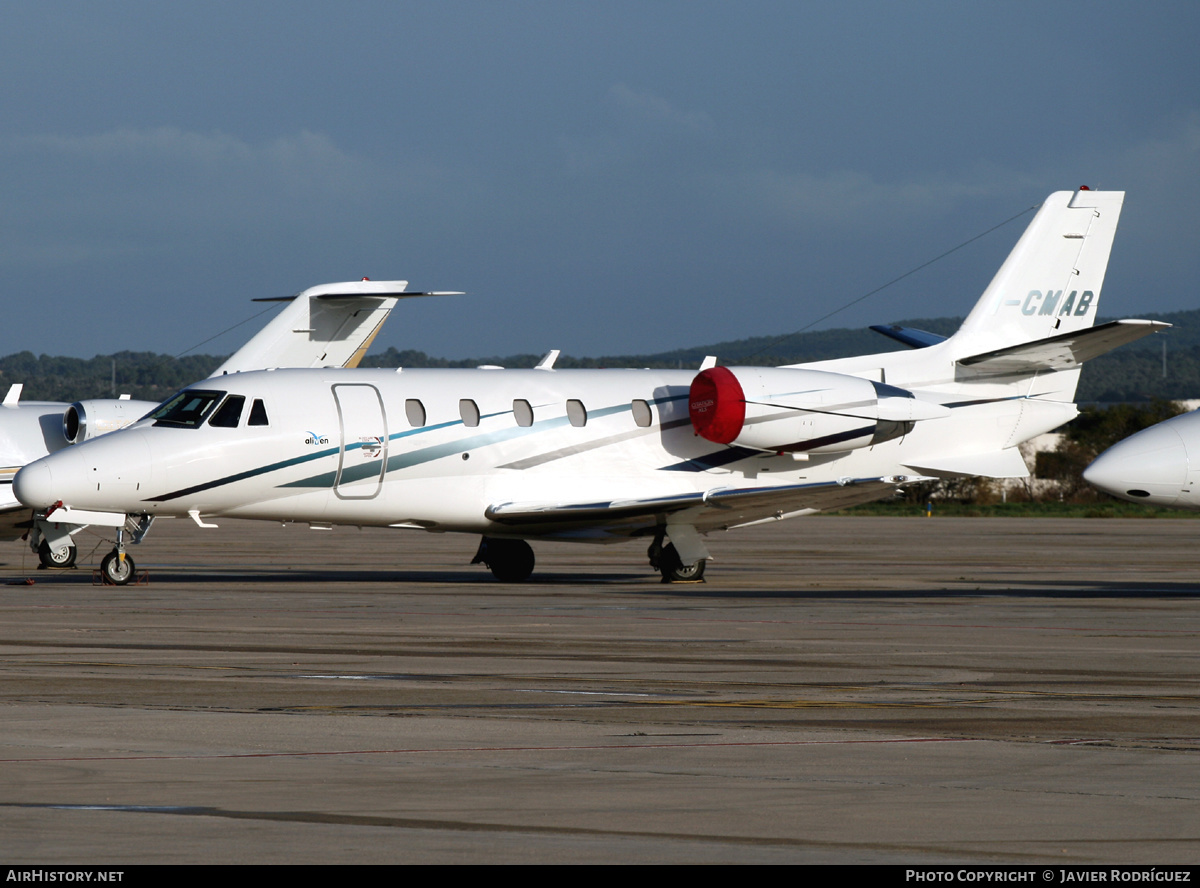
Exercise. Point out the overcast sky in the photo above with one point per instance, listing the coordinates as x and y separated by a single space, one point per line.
602 177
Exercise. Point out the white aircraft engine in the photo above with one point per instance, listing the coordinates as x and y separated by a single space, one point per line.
89 419
781 410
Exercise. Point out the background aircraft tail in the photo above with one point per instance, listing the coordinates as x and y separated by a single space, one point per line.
330 325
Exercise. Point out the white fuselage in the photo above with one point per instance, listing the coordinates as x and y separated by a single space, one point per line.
608 454
379 447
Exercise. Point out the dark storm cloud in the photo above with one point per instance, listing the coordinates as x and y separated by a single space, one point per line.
600 177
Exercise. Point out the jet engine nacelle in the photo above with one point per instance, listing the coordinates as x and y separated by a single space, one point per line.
89 419
781 410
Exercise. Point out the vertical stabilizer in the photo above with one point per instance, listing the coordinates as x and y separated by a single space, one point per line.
1050 284
330 325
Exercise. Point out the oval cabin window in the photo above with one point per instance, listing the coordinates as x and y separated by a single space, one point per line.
415 411
469 411
576 413
523 412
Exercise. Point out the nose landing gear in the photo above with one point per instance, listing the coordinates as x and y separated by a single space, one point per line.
117 568
55 546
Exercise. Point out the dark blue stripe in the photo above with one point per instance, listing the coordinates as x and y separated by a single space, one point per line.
402 460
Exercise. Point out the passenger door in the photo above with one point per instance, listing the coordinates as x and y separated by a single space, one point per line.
362 459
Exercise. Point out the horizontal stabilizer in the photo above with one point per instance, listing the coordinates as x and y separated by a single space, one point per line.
997 464
710 510
357 289
1063 352
910 336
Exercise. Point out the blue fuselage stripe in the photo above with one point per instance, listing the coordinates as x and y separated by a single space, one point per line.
406 459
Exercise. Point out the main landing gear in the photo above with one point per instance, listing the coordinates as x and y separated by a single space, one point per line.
510 561
666 560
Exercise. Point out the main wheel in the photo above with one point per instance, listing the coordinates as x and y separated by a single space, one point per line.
115 571
673 569
57 557
510 561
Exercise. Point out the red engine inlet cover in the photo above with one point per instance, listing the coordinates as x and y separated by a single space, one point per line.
717 405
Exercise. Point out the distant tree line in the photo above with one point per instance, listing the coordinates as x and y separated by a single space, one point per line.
1131 373
1130 379
143 375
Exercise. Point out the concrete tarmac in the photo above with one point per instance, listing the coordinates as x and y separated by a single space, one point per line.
867 690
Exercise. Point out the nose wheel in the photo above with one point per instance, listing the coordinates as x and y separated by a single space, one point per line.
115 569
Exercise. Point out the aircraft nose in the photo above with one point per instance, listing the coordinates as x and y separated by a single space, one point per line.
1151 466
34 485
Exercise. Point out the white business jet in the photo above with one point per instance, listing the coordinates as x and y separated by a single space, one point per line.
1159 465
612 455
331 325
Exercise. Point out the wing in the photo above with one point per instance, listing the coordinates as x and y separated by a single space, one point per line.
717 509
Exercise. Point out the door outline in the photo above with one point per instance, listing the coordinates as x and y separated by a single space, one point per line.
350 404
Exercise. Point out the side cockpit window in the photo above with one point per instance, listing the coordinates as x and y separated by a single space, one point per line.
258 414
187 409
229 413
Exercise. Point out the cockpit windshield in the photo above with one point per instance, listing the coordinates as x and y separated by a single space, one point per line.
187 409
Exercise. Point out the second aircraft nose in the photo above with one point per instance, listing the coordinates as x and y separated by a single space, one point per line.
34 485
1151 466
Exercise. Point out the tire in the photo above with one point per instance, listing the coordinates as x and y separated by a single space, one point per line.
58 558
510 561
673 570
115 571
